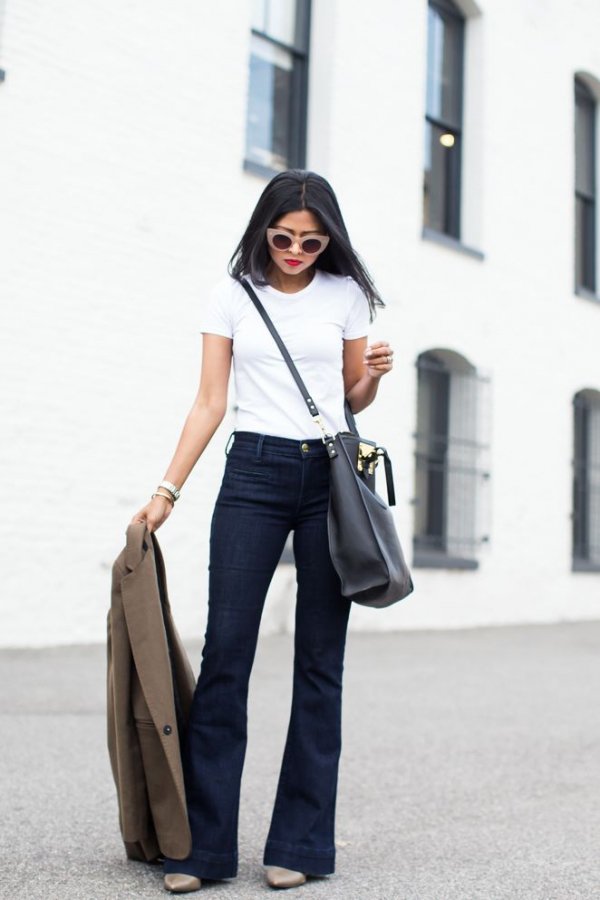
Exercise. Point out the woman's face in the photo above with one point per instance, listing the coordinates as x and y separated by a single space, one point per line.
298 225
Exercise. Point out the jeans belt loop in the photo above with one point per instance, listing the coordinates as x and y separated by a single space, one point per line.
230 440
259 446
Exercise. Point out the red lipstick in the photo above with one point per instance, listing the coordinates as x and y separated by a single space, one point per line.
293 262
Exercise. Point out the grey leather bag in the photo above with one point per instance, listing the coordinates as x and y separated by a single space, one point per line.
363 543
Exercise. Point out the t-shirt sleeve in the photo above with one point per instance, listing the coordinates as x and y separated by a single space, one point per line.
217 314
357 322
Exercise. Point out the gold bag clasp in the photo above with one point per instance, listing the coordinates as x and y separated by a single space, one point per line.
367 458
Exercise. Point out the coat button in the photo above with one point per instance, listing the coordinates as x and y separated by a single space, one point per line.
167 729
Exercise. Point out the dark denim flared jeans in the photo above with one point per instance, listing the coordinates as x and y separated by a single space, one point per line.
271 486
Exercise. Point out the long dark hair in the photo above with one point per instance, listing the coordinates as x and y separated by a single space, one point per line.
290 191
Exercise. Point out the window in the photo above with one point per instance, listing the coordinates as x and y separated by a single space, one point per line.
586 480
451 472
585 187
443 119
277 93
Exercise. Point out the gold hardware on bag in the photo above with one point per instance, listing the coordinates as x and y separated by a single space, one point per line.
318 420
328 439
367 457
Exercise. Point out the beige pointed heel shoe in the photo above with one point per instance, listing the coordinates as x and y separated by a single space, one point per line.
182 884
278 877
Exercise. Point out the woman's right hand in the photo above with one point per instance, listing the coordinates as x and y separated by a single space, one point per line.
154 513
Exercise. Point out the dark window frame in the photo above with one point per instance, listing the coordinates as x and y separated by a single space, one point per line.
453 174
436 544
300 53
584 559
585 99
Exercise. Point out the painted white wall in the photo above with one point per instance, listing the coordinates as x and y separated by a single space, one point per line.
123 196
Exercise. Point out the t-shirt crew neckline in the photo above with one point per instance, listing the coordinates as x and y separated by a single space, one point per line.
287 296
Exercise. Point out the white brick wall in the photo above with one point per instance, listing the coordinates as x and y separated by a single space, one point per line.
123 196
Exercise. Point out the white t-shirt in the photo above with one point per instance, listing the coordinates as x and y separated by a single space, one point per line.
313 323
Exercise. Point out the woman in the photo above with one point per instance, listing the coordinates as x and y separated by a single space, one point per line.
297 254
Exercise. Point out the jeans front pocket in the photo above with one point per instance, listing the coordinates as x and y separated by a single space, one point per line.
247 474
246 478
244 465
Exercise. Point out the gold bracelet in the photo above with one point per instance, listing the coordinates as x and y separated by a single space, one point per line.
166 496
171 493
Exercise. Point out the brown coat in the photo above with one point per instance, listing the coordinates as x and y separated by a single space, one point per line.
149 697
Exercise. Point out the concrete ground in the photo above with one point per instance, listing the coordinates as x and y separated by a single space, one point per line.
470 769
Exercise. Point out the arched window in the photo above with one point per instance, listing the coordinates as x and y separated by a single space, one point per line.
585 187
451 470
586 480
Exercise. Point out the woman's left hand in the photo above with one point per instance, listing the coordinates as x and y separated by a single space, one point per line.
379 359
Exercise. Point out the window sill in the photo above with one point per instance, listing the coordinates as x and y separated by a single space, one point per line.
423 559
257 169
438 237
587 294
584 565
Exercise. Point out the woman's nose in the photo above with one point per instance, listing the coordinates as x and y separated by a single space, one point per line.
296 248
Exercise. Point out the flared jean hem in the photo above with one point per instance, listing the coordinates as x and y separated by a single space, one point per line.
299 859
213 866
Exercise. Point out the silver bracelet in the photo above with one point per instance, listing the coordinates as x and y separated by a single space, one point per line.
171 488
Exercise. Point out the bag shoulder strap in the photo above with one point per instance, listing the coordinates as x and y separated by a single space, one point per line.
284 351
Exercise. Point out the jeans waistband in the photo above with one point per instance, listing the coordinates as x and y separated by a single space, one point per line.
256 442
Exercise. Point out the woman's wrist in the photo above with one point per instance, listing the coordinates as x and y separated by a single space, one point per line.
165 496
363 393
167 490
170 488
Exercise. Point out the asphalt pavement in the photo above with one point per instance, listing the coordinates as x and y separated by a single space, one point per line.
470 769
